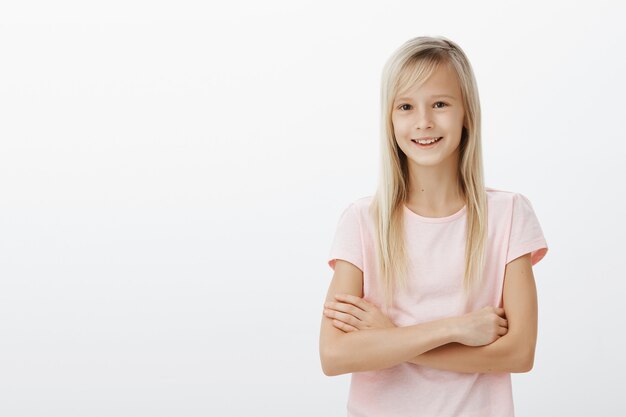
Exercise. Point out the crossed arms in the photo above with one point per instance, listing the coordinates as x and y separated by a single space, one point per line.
433 343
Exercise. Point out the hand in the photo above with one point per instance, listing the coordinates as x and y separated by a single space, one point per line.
482 327
352 313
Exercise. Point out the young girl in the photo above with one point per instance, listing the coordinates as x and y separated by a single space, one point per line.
433 302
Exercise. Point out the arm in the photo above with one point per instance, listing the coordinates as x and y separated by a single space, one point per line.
513 352
345 352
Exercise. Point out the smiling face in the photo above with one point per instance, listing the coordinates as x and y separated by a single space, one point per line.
435 110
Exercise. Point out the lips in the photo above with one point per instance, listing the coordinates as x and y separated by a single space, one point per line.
427 138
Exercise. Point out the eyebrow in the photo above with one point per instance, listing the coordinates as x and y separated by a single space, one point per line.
433 96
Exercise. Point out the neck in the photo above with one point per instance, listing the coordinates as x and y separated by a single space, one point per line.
435 189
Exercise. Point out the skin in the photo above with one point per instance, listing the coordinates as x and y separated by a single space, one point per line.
356 336
417 112
512 350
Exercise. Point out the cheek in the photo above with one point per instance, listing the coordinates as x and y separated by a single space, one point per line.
397 131
399 127
451 124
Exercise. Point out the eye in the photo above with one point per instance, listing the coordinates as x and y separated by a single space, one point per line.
401 106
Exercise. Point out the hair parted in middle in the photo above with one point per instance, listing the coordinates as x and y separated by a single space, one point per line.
411 64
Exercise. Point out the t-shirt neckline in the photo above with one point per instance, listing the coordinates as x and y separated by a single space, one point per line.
445 219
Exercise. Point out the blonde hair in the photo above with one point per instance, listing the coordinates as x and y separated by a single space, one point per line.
412 63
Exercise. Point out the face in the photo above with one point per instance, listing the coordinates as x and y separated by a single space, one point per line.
433 110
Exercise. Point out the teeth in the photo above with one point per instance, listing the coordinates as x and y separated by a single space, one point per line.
426 142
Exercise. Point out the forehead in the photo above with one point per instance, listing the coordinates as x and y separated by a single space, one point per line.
442 82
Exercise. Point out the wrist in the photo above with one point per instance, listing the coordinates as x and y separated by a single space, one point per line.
453 329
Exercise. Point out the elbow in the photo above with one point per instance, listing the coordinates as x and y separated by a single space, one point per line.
524 360
329 371
529 361
325 358
330 362
518 355
327 363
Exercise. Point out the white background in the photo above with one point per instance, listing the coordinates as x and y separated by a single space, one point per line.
172 173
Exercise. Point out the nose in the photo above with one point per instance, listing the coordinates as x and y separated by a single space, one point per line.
423 119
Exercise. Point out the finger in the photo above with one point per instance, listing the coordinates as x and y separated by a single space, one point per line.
503 322
502 330
354 300
343 326
346 318
346 308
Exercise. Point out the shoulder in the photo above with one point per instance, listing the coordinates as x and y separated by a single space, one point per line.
501 199
357 213
507 206
360 206
497 195
363 201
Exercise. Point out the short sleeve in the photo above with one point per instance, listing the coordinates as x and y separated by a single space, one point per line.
347 243
526 234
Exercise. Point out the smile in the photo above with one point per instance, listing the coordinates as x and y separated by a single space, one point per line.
427 145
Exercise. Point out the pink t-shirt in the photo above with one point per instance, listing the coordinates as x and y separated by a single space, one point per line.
436 250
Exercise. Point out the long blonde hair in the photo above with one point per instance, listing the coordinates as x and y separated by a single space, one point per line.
411 64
